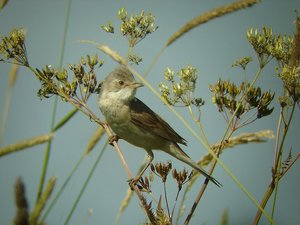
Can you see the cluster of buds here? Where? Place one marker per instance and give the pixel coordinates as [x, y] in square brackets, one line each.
[136, 27]
[242, 63]
[290, 75]
[57, 82]
[268, 46]
[109, 28]
[181, 177]
[182, 92]
[157, 217]
[162, 170]
[286, 51]
[54, 81]
[13, 47]
[144, 183]
[135, 59]
[230, 98]
[85, 75]
[48, 77]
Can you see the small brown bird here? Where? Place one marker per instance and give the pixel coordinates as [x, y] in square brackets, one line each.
[136, 123]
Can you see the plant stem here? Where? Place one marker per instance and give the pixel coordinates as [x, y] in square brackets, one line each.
[62, 188]
[231, 123]
[196, 202]
[166, 198]
[204, 186]
[5, 112]
[198, 122]
[194, 133]
[48, 148]
[47, 155]
[279, 160]
[115, 56]
[65, 119]
[85, 184]
[276, 177]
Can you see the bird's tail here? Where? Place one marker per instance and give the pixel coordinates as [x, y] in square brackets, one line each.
[178, 153]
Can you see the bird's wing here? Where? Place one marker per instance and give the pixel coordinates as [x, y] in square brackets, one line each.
[143, 117]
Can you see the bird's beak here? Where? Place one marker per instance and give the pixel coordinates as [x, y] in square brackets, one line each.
[136, 85]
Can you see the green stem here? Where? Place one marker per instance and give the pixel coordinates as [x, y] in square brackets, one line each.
[48, 148]
[231, 123]
[121, 60]
[204, 186]
[278, 167]
[181, 205]
[239, 104]
[58, 194]
[153, 62]
[199, 124]
[166, 199]
[276, 173]
[194, 133]
[85, 184]
[47, 155]
[275, 197]
[64, 39]
[65, 119]
[5, 111]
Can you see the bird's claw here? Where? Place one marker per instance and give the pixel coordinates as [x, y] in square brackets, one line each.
[113, 138]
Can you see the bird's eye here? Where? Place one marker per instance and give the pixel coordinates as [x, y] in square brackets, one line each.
[121, 82]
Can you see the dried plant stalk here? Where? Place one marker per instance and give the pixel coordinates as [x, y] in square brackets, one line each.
[3, 3]
[295, 56]
[22, 214]
[113, 54]
[94, 140]
[217, 12]
[13, 75]
[25, 144]
[126, 200]
[224, 218]
[243, 138]
[7, 99]
[36, 213]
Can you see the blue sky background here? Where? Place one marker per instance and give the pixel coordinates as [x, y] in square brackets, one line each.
[212, 48]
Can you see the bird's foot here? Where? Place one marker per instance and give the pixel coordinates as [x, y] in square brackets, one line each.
[113, 138]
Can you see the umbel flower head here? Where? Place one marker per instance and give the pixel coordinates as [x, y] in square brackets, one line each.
[286, 51]
[290, 75]
[136, 27]
[182, 92]
[13, 47]
[57, 82]
[229, 97]
[268, 46]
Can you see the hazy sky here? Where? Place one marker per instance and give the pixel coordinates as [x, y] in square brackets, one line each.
[212, 48]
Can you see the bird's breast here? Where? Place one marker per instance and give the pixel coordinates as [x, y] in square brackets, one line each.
[115, 112]
[118, 117]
